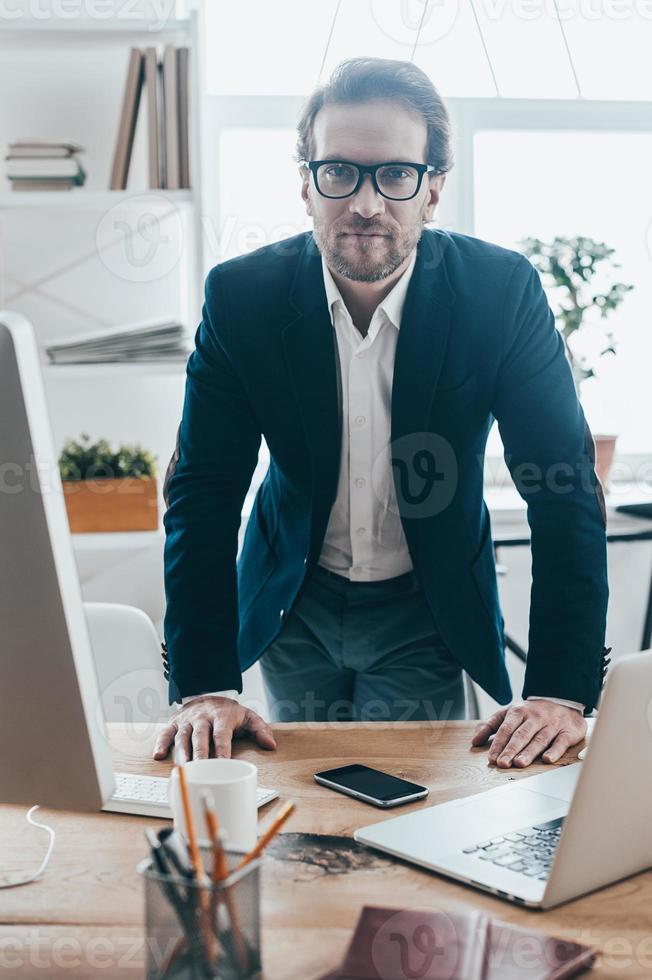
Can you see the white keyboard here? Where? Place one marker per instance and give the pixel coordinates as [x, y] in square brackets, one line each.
[147, 796]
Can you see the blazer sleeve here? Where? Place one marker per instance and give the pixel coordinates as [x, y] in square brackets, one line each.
[206, 482]
[550, 454]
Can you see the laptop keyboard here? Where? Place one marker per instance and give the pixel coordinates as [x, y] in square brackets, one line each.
[529, 851]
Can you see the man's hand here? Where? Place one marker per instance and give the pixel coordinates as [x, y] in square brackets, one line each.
[207, 720]
[530, 730]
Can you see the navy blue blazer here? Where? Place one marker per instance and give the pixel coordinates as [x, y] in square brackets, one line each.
[477, 342]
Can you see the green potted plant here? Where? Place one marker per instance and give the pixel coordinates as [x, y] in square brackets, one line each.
[579, 272]
[106, 490]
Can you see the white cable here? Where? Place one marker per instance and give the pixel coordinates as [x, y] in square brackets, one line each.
[416, 40]
[48, 853]
[568, 52]
[485, 49]
[328, 40]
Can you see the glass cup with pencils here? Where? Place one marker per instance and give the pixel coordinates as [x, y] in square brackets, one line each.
[202, 904]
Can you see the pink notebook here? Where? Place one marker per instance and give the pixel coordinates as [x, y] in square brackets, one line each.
[391, 944]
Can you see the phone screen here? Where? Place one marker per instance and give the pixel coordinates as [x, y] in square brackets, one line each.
[371, 782]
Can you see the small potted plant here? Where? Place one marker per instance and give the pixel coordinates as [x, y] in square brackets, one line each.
[106, 490]
[579, 273]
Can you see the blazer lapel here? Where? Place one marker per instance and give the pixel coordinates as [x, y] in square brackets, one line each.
[422, 339]
[312, 359]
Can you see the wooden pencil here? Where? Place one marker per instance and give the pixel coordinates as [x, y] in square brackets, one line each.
[271, 832]
[219, 873]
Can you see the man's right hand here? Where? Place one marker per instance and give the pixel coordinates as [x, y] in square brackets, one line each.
[206, 721]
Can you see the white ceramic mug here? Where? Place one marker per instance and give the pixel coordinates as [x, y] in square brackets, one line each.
[231, 785]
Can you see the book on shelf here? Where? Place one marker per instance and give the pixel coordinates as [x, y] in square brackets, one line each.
[183, 55]
[166, 84]
[137, 342]
[34, 148]
[37, 184]
[171, 111]
[44, 165]
[154, 93]
[128, 116]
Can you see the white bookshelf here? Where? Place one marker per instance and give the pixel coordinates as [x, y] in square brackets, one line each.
[67, 38]
[65, 79]
[79, 197]
[115, 370]
[32, 33]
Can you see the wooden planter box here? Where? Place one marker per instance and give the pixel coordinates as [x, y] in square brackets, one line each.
[124, 504]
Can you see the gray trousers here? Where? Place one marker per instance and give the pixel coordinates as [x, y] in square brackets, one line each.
[361, 651]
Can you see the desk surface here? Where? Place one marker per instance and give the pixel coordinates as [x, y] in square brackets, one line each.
[84, 918]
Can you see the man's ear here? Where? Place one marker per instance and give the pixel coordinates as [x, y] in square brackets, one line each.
[434, 192]
[305, 184]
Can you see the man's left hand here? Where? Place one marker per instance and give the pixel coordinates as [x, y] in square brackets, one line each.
[529, 730]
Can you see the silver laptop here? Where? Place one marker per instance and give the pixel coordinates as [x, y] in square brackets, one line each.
[544, 839]
[55, 750]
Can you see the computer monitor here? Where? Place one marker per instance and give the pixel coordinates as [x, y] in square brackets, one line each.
[54, 746]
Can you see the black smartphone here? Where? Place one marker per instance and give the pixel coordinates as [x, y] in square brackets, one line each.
[371, 785]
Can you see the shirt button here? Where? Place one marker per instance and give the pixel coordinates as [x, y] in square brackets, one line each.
[360, 482]
[282, 613]
[360, 353]
[360, 420]
[361, 530]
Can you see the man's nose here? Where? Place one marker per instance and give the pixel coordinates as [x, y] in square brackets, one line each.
[366, 201]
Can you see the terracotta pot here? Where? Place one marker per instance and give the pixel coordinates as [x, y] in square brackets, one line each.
[605, 448]
[124, 504]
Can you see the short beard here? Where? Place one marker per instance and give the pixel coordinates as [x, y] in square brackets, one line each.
[365, 269]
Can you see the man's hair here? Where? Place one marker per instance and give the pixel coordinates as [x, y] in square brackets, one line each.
[382, 79]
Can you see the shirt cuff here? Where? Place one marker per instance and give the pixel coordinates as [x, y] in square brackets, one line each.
[567, 704]
[210, 694]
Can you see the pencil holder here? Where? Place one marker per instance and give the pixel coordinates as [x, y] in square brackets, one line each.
[203, 932]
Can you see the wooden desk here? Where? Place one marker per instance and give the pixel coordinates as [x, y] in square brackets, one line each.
[84, 918]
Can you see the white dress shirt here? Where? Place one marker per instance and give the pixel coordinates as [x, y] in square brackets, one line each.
[364, 539]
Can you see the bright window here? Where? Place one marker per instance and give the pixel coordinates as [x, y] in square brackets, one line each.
[251, 213]
[549, 183]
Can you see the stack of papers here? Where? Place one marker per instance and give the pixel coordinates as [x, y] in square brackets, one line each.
[138, 342]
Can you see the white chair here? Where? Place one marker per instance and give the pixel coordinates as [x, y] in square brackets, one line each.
[127, 654]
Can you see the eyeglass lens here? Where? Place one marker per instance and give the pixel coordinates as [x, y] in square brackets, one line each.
[339, 180]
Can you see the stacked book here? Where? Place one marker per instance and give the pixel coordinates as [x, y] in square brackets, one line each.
[165, 81]
[159, 342]
[44, 165]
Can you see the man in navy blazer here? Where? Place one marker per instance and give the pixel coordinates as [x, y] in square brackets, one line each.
[477, 342]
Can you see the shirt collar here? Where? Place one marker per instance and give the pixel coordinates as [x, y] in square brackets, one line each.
[392, 305]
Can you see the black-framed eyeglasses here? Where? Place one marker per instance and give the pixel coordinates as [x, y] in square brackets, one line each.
[396, 180]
